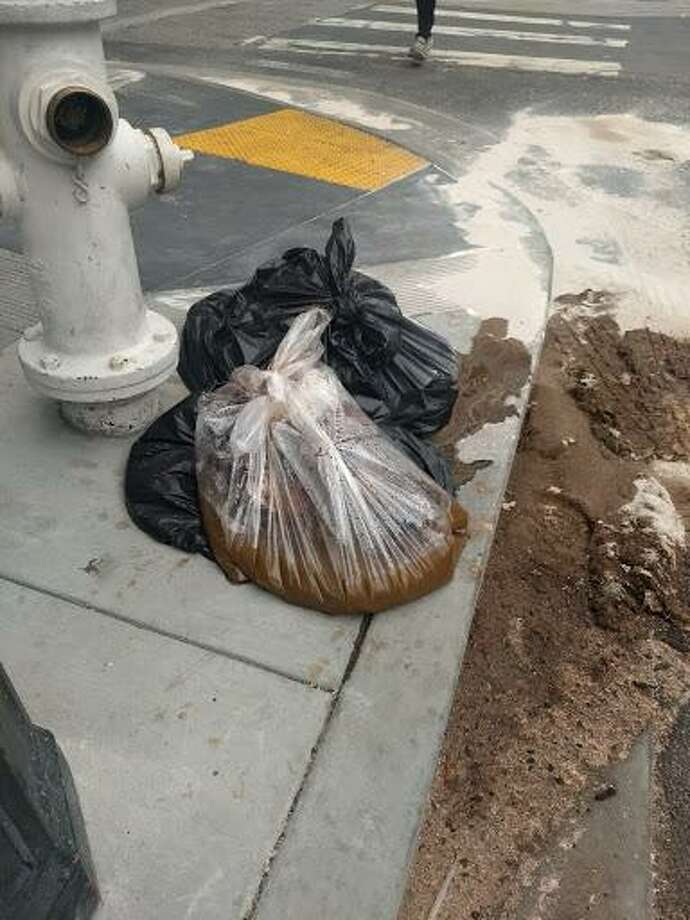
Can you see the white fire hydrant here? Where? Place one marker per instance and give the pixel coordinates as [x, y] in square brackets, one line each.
[70, 171]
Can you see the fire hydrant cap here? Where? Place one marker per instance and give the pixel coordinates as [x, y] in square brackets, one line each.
[171, 159]
[21, 12]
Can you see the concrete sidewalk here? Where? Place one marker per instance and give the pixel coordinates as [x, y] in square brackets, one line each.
[238, 757]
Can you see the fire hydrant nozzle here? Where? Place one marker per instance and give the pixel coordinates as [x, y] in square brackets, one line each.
[70, 170]
[79, 120]
[171, 159]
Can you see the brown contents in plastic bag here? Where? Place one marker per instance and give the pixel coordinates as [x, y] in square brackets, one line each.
[242, 562]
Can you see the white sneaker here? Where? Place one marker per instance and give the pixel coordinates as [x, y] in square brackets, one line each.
[421, 49]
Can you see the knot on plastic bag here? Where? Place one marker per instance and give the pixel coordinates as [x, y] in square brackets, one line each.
[270, 394]
[346, 308]
[275, 386]
[251, 426]
[360, 336]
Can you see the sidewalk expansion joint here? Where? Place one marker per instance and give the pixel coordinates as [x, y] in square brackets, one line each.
[251, 912]
[166, 634]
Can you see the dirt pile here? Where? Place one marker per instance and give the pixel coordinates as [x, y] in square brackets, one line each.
[635, 388]
[636, 566]
[580, 637]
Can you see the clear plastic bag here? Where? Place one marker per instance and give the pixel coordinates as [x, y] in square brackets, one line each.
[303, 494]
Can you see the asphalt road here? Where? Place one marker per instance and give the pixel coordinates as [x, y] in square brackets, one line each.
[493, 58]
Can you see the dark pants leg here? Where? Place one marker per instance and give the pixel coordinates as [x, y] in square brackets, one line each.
[425, 17]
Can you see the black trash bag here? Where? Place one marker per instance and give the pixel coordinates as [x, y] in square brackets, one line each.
[394, 367]
[424, 454]
[160, 480]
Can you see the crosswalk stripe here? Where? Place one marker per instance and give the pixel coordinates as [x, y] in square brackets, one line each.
[501, 17]
[384, 25]
[584, 24]
[459, 58]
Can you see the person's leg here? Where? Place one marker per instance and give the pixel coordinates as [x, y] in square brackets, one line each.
[419, 51]
[425, 17]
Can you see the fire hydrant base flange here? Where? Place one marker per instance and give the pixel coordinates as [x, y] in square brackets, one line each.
[105, 377]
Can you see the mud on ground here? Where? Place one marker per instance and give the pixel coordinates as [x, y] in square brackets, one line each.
[581, 638]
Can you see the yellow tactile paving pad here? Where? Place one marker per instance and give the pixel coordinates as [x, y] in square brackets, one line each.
[296, 142]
